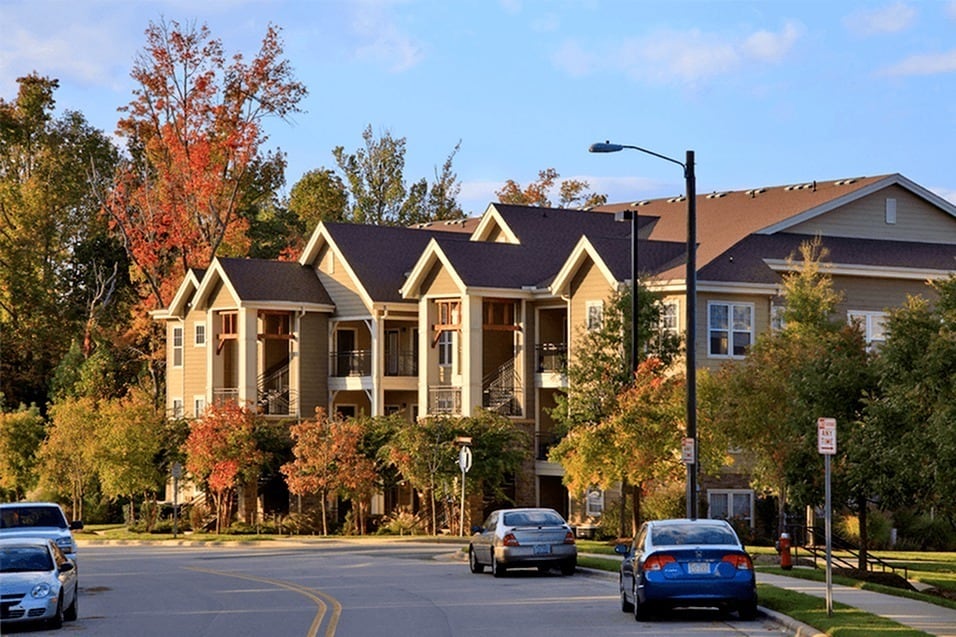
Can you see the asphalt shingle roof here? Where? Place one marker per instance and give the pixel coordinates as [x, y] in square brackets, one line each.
[265, 280]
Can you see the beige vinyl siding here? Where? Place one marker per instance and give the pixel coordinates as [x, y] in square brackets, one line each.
[313, 363]
[194, 359]
[174, 375]
[916, 220]
[341, 288]
[439, 282]
[587, 285]
[876, 295]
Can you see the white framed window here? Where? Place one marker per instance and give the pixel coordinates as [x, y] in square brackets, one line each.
[199, 405]
[178, 346]
[669, 323]
[873, 325]
[199, 334]
[730, 329]
[594, 315]
[594, 502]
[777, 322]
[446, 348]
[731, 504]
[177, 411]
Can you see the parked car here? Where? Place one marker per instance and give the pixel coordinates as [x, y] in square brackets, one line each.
[39, 519]
[682, 563]
[523, 538]
[38, 581]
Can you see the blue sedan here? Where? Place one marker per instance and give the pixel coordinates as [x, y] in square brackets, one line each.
[38, 581]
[684, 563]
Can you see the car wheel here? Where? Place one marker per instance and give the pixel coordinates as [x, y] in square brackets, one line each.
[473, 563]
[748, 611]
[56, 621]
[626, 606]
[568, 566]
[497, 568]
[641, 613]
[71, 611]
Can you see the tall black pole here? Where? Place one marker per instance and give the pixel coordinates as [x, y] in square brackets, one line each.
[691, 331]
[635, 329]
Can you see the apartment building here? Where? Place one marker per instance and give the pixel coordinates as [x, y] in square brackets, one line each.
[451, 316]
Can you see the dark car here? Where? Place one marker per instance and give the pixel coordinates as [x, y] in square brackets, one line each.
[684, 563]
[39, 519]
[522, 538]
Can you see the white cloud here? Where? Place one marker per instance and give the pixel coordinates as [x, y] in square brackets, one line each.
[928, 64]
[684, 56]
[381, 40]
[889, 19]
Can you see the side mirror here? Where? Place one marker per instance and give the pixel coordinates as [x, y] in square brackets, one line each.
[475, 530]
[76, 525]
[67, 566]
[622, 549]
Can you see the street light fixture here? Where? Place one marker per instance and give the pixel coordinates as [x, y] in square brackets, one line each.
[691, 320]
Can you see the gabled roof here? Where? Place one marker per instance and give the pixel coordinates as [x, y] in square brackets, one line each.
[190, 283]
[262, 281]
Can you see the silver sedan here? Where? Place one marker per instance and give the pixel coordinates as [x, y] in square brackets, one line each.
[38, 581]
[522, 538]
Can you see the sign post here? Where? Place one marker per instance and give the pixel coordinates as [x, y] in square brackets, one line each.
[177, 471]
[826, 446]
[464, 462]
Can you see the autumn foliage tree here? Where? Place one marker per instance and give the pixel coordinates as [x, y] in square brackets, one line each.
[329, 461]
[571, 192]
[222, 454]
[194, 134]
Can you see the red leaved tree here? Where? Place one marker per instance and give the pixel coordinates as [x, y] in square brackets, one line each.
[329, 461]
[221, 453]
[194, 136]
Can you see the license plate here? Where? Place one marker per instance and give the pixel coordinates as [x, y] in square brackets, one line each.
[542, 549]
[698, 568]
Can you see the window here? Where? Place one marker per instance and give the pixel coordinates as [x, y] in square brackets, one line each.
[777, 322]
[177, 347]
[595, 502]
[594, 315]
[731, 504]
[199, 405]
[729, 329]
[669, 320]
[445, 348]
[199, 338]
[872, 324]
[177, 408]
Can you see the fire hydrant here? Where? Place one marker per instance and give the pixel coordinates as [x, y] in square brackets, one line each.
[783, 546]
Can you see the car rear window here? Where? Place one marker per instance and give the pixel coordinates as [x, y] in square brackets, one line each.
[23, 559]
[532, 518]
[13, 517]
[678, 534]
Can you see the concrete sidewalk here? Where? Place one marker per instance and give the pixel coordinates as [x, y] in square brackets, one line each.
[930, 618]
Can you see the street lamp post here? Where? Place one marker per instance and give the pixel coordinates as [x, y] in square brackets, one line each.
[691, 316]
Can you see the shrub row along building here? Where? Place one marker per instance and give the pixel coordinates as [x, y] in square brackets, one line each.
[450, 316]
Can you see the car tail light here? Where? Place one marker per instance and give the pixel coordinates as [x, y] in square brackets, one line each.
[740, 562]
[569, 538]
[657, 562]
[510, 540]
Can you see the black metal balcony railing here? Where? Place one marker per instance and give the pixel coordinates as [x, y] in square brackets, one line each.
[224, 395]
[401, 363]
[552, 357]
[351, 363]
[444, 399]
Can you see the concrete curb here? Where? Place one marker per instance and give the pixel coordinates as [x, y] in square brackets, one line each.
[799, 628]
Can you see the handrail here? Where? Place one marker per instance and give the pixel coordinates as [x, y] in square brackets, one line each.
[817, 538]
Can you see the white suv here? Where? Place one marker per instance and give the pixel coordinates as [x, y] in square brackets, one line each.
[39, 519]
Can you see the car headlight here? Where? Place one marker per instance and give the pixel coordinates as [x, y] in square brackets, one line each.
[41, 590]
[65, 544]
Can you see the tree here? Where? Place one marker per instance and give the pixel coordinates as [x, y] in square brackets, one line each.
[49, 234]
[194, 134]
[68, 456]
[320, 195]
[221, 454]
[814, 366]
[329, 460]
[21, 433]
[376, 184]
[571, 192]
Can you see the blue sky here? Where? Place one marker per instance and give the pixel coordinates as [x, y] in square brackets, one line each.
[766, 93]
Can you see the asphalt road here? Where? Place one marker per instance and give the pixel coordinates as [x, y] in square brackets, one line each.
[349, 589]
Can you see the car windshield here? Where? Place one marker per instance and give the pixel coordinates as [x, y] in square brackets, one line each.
[31, 516]
[532, 518]
[696, 534]
[20, 559]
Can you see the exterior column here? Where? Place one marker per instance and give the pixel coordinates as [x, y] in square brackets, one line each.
[248, 355]
[471, 354]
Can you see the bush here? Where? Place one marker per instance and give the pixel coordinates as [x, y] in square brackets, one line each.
[923, 533]
[401, 523]
[878, 528]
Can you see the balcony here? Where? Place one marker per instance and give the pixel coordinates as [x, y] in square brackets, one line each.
[444, 400]
[543, 442]
[350, 363]
[552, 358]
[401, 363]
[225, 395]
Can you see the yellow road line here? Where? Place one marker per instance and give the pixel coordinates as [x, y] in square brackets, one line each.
[322, 600]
